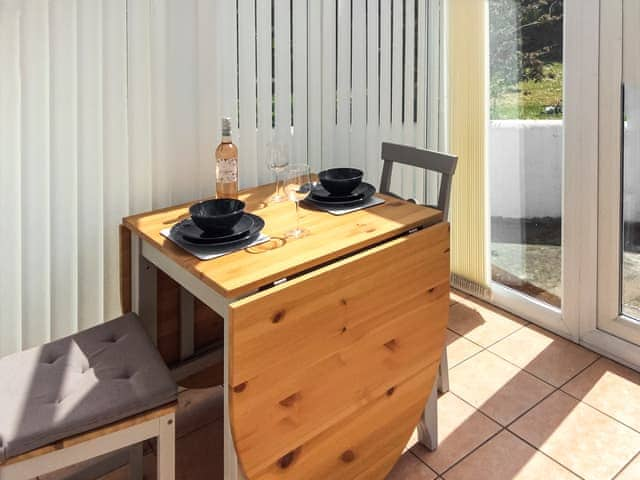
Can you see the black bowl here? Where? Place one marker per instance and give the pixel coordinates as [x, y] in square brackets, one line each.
[340, 181]
[216, 216]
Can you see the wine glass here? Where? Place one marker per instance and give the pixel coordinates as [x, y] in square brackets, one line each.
[277, 160]
[297, 186]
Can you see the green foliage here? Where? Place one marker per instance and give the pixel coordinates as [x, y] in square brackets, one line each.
[527, 99]
[525, 46]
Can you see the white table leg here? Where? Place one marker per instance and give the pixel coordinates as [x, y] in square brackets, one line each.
[196, 288]
[443, 373]
[232, 469]
[144, 285]
[428, 426]
[166, 455]
[187, 308]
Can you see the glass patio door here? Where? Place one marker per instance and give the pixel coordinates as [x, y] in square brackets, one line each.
[525, 155]
[619, 172]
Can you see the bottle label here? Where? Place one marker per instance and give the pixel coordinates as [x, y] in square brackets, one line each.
[227, 170]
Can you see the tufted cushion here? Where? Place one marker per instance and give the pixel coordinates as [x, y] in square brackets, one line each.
[79, 383]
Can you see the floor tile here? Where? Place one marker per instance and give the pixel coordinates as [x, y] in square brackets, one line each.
[481, 323]
[632, 471]
[497, 388]
[579, 437]
[544, 354]
[412, 440]
[506, 457]
[197, 407]
[455, 296]
[611, 388]
[410, 468]
[459, 348]
[461, 428]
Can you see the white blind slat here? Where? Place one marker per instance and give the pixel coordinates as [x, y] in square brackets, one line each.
[328, 83]
[116, 162]
[10, 181]
[182, 100]
[343, 127]
[247, 89]
[385, 70]
[161, 172]
[299, 61]
[264, 84]
[432, 75]
[207, 100]
[373, 89]
[281, 19]
[397, 100]
[408, 126]
[90, 165]
[314, 80]
[421, 99]
[359, 86]
[139, 105]
[35, 204]
[64, 168]
[226, 53]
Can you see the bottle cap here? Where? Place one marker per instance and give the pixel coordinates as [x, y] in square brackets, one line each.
[226, 126]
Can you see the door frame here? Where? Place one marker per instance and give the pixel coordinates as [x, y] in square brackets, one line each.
[591, 216]
[579, 143]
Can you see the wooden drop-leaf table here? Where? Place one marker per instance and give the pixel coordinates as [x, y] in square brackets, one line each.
[331, 342]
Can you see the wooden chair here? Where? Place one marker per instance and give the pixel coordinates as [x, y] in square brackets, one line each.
[445, 165]
[103, 390]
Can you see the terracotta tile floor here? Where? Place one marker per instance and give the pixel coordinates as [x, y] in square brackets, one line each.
[523, 404]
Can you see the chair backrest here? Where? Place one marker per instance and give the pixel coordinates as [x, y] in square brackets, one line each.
[417, 157]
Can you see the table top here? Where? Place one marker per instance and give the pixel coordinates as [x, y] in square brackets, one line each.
[330, 237]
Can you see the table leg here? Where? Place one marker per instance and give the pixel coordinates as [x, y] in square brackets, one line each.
[443, 373]
[428, 426]
[144, 260]
[232, 469]
[187, 308]
[144, 289]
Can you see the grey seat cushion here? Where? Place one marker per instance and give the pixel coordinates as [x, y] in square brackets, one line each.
[79, 383]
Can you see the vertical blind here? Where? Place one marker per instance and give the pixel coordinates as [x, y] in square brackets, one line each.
[467, 87]
[109, 108]
[333, 78]
[63, 169]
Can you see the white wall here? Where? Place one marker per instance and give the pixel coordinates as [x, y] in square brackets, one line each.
[525, 167]
[631, 195]
[525, 162]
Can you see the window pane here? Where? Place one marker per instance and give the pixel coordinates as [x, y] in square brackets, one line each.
[631, 204]
[525, 145]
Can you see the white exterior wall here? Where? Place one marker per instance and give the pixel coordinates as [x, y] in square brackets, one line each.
[631, 193]
[525, 162]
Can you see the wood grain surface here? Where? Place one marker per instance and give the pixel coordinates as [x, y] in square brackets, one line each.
[330, 237]
[96, 433]
[330, 372]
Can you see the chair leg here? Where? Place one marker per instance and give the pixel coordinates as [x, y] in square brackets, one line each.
[166, 455]
[443, 373]
[428, 426]
[136, 469]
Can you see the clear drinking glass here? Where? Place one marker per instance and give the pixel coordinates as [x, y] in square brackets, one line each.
[277, 160]
[297, 186]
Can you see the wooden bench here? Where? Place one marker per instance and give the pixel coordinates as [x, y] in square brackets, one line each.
[99, 391]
